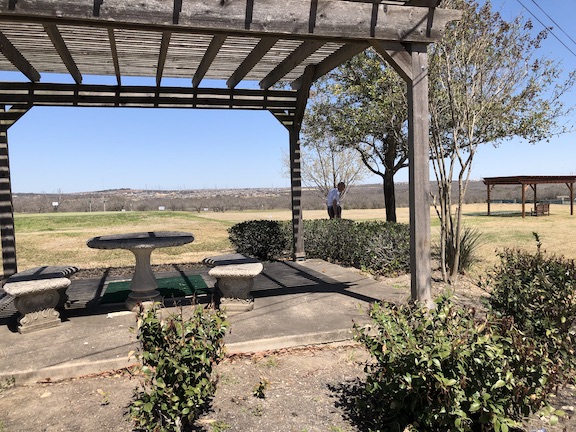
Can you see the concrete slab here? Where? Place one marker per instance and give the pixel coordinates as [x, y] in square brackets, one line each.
[296, 304]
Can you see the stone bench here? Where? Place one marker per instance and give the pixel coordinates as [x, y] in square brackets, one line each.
[38, 293]
[234, 282]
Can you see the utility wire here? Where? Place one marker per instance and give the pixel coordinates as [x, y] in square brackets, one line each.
[555, 23]
[546, 27]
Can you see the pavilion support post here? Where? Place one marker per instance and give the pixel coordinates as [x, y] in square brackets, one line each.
[298, 252]
[7, 233]
[419, 176]
[524, 187]
[571, 189]
[488, 189]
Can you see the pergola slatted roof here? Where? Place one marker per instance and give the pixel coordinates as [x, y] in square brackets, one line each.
[250, 46]
[276, 40]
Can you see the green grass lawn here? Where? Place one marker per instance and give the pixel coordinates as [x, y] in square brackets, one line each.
[60, 238]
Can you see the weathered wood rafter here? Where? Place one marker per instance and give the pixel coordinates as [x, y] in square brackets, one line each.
[162, 56]
[60, 45]
[114, 52]
[17, 59]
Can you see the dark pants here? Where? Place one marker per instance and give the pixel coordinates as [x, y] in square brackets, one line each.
[338, 212]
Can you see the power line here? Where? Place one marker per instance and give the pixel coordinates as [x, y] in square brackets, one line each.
[555, 23]
[546, 27]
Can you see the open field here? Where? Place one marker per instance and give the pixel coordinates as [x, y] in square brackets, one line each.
[60, 238]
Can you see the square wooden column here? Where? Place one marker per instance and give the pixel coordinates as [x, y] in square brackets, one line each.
[419, 151]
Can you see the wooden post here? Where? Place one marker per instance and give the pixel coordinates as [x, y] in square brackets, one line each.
[524, 200]
[295, 169]
[571, 189]
[419, 176]
[488, 197]
[7, 237]
[298, 252]
[7, 234]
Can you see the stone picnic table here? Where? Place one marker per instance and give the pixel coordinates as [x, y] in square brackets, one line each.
[143, 286]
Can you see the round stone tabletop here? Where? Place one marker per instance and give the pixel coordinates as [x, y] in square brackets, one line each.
[141, 240]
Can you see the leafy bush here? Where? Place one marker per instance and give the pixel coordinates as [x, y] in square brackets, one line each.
[331, 240]
[378, 247]
[178, 355]
[440, 370]
[262, 239]
[539, 292]
[387, 250]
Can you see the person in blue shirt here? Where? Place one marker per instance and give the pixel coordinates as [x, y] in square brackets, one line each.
[333, 201]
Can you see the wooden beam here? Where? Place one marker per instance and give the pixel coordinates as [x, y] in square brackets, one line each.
[10, 116]
[251, 60]
[329, 19]
[419, 174]
[209, 56]
[17, 59]
[396, 55]
[89, 95]
[332, 61]
[63, 51]
[305, 50]
[114, 50]
[162, 56]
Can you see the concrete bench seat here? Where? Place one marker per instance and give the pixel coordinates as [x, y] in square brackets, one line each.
[234, 282]
[38, 293]
[228, 259]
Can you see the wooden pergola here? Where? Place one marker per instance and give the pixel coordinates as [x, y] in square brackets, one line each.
[529, 182]
[251, 45]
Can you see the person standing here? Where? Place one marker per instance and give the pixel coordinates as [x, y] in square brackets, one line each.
[333, 201]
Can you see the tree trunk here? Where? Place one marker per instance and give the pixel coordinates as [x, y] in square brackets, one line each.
[389, 189]
[389, 195]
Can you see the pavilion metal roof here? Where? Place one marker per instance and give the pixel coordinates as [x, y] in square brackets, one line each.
[528, 180]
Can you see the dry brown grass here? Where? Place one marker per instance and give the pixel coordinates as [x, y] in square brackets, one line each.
[66, 245]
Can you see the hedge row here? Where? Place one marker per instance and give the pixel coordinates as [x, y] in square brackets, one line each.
[381, 248]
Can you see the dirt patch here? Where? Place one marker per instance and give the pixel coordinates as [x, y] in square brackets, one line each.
[304, 389]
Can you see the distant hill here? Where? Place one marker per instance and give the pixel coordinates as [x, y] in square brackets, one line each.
[358, 196]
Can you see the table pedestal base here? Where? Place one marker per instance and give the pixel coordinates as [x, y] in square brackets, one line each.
[143, 286]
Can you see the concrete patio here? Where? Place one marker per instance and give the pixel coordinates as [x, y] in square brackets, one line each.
[296, 304]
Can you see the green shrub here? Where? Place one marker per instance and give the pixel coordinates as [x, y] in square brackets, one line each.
[378, 247]
[539, 292]
[331, 240]
[177, 355]
[262, 239]
[387, 250]
[440, 370]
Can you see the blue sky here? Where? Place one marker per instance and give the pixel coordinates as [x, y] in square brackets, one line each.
[86, 149]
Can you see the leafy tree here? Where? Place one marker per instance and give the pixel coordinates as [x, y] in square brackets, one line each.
[488, 83]
[363, 105]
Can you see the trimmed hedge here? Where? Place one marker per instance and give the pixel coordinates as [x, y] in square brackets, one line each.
[381, 248]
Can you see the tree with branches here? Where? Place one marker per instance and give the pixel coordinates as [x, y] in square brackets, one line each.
[488, 83]
[363, 105]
